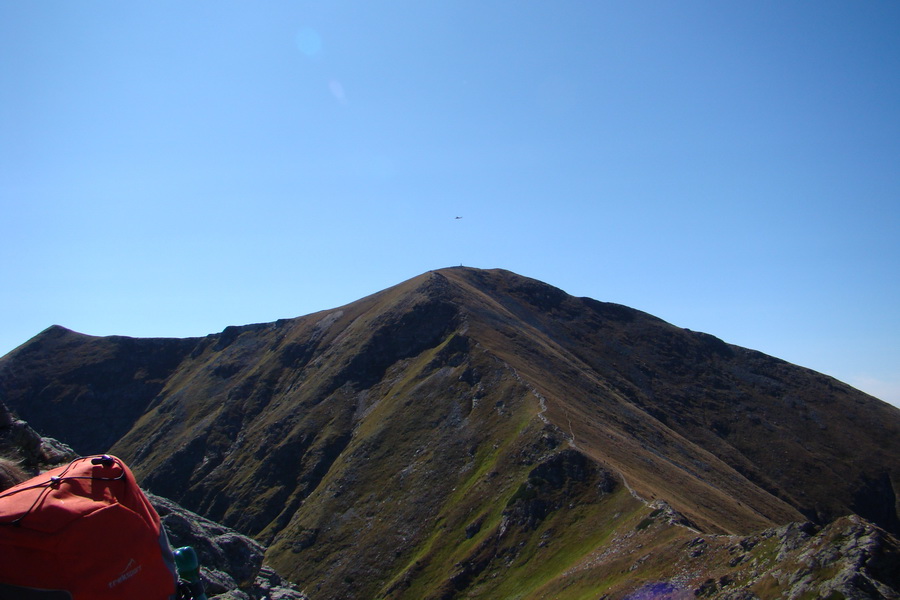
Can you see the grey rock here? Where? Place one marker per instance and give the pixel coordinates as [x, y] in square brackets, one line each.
[231, 564]
[20, 442]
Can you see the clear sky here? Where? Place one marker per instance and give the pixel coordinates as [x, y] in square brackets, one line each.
[171, 168]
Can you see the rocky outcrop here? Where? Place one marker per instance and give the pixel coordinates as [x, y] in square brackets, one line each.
[862, 557]
[19, 442]
[231, 564]
[849, 558]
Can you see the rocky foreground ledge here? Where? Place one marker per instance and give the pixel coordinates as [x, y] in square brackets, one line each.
[231, 563]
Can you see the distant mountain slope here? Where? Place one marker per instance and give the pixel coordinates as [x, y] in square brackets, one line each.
[407, 444]
[91, 388]
[668, 405]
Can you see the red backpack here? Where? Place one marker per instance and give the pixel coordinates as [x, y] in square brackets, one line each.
[85, 531]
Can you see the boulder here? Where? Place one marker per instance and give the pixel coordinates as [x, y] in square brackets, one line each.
[231, 564]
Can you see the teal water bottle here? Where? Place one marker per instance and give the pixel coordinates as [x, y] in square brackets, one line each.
[189, 570]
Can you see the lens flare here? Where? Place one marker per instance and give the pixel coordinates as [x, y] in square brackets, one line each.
[309, 42]
[337, 90]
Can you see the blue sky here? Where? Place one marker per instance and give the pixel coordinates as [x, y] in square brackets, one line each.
[171, 168]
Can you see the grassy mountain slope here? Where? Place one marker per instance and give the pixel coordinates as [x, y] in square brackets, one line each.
[470, 433]
[667, 405]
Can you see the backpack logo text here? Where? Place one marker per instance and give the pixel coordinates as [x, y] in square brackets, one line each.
[131, 569]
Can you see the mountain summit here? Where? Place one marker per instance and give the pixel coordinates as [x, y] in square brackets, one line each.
[429, 440]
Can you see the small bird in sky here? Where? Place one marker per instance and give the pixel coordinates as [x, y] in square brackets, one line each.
[459, 217]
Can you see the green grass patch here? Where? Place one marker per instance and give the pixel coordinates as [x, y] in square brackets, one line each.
[538, 571]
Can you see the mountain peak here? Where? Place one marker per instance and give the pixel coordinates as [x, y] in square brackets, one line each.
[469, 403]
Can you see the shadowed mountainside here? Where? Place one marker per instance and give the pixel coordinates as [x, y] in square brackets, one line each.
[462, 424]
